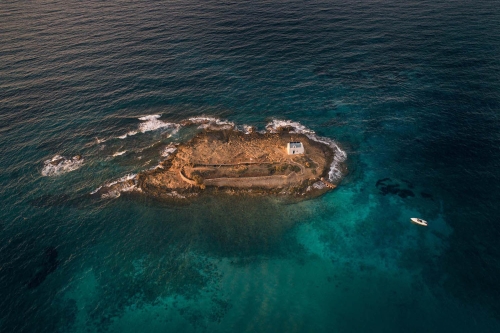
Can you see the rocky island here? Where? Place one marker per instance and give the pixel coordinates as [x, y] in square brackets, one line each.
[282, 162]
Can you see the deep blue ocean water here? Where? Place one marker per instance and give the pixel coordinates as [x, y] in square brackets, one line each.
[409, 89]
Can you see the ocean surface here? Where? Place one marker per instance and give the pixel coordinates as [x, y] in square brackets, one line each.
[409, 90]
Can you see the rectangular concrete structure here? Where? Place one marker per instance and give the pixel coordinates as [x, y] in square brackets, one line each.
[294, 148]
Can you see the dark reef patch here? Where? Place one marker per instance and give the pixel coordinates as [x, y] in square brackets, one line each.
[426, 195]
[382, 181]
[389, 186]
[49, 265]
[408, 183]
[405, 193]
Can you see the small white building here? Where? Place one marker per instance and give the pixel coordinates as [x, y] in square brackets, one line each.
[294, 148]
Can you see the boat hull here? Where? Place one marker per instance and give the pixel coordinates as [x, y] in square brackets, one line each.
[419, 221]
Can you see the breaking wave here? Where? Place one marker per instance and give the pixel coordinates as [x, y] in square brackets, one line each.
[339, 156]
[171, 148]
[276, 124]
[124, 136]
[211, 122]
[150, 117]
[113, 189]
[119, 153]
[319, 185]
[153, 122]
[246, 129]
[60, 164]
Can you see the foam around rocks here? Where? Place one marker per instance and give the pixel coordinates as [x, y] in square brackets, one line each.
[152, 123]
[212, 123]
[119, 153]
[168, 150]
[113, 189]
[255, 150]
[276, 124]
[124, 136]
[339, 156]
[60, 164]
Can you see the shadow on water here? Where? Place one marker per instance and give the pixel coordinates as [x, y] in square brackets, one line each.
[25, 289]
[233, 226]
[156, 251]
[22, 254]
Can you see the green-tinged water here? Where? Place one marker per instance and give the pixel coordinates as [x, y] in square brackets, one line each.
[409, 90]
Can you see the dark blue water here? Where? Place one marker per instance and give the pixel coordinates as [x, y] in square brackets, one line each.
[409, 89]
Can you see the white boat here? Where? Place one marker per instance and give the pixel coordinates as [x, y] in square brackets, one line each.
[419, 221]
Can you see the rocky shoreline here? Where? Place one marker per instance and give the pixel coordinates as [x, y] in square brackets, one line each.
[227, 161]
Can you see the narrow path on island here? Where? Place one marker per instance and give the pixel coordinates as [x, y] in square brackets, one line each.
[262, 181]
[276, 181]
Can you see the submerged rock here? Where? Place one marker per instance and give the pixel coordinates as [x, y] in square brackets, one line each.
[389, 186]
[50, 264]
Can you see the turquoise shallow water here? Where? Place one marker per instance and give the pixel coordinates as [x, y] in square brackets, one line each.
[409, 89]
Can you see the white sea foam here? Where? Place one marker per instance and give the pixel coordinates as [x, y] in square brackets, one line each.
[153, 122]
[123, 179]
[124, 136]
[276, 124]
[119, 153]
[319, 185]
[339, 156]
[150, 117]
[158, 166]
[60, 164]
[207, 122]
[246, 129]
[114, 188]
[168, 150]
